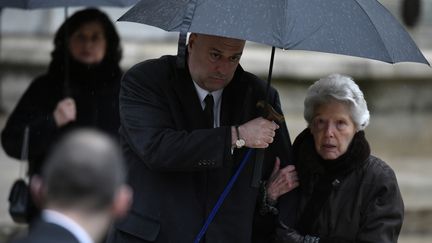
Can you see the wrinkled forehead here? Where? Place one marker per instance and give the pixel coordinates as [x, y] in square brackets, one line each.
[332, 106]
[223, 43]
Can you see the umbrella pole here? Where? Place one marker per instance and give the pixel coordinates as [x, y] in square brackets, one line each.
[66, 88]
[267, 111]
[269, 77]
[181, 50]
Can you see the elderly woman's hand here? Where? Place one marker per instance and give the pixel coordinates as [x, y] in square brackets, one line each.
[281, 181]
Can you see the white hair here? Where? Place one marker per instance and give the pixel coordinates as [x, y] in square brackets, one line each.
[341, 88]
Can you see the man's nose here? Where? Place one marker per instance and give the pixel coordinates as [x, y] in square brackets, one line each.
[223, 66]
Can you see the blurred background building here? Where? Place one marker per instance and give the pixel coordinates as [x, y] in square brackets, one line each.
[399, 96]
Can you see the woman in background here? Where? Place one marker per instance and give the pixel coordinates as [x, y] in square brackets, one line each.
[80, 88]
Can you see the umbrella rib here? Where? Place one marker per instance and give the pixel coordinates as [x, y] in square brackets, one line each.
[184, 28]
[285, 21]
[289, 32]
[189, 13]
[306, 37]
[374, 26]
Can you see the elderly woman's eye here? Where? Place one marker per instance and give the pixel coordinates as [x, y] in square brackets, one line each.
[319, 123]
[341, 124]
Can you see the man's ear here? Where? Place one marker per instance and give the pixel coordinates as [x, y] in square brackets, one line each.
[192, 38]
[37, 190]
[122, 201]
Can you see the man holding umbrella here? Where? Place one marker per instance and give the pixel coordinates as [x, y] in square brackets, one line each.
[185, 130]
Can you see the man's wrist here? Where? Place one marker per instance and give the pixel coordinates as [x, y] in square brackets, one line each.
[240, 142]
[233, 137]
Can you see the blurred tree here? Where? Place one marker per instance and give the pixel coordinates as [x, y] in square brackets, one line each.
[411, 12]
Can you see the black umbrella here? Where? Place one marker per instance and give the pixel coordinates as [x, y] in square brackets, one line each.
[362, 28]
[32, 4]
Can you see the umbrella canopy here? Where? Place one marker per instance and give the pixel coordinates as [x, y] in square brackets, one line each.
[32, 4]
[362, 28]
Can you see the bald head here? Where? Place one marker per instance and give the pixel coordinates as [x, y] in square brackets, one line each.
[85, 168]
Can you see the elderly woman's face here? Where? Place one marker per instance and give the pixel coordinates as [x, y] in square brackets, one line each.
[332, 129]
[88, 43]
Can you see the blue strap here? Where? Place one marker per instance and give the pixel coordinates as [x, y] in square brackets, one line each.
[222, 197]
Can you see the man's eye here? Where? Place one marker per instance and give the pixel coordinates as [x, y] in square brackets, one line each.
[235, 58]
[214, 56]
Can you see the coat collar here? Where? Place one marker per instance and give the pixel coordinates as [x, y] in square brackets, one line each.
[233, 97]
[309, 162]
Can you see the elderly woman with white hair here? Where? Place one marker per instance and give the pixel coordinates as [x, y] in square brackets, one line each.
[347, 194]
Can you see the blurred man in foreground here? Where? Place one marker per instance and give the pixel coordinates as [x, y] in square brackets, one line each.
[81, 190]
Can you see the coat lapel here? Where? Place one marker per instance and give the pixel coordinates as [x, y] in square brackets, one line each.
[237, 104]
[188, 99]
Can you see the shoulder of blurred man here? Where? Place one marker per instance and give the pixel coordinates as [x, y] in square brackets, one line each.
[45, 232]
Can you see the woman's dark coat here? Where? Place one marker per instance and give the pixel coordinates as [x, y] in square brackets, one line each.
[95, 91]
[356, 198]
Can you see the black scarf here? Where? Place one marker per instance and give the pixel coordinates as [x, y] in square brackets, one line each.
[321, 175]
[83, 75]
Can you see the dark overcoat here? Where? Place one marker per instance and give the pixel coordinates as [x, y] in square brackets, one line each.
[95, 90]
[178, 167]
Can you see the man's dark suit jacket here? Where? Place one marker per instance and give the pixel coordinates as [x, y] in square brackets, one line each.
[178, 167]
[44, 232]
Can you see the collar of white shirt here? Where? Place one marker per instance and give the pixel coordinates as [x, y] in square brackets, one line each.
[62, 220]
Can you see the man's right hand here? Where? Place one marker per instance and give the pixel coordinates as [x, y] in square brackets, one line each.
[258, 133]
[65, 112]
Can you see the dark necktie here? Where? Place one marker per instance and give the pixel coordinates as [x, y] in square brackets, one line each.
[208, 110]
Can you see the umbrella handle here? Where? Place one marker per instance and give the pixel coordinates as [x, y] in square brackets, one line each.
[268, 112]
[269, 77]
